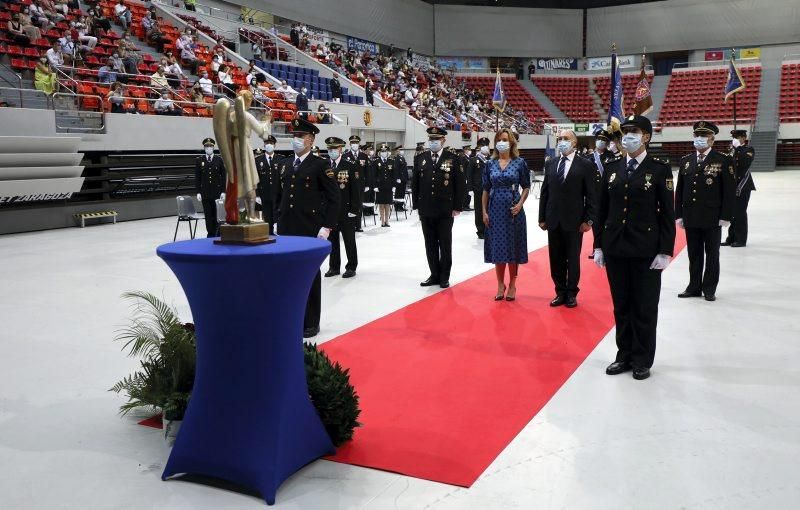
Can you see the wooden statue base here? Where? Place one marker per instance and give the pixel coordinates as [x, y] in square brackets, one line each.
[246, 234]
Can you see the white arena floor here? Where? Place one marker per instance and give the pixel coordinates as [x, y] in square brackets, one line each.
[716, 427]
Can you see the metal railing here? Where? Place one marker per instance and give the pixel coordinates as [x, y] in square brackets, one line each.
[23, 91]
[19, 79]
[687, 66]
[583, 73]
[78, 100]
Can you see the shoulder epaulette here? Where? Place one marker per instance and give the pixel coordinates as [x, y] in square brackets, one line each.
[663, 162]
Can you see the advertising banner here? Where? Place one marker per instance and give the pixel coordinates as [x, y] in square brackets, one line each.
[566, 63]
[604, 63]
[361, 45]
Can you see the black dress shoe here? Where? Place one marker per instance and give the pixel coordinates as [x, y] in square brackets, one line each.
[359, 229]
[687, 293]
[641, 373]
[738, 245]
[725, 243]
[711, 297]
[430, 282]
[331, 273]
[349, 274]
[309, 332]
[572, 302]
[558, 301]
[480, 236]
[618, 367]
[444, 284]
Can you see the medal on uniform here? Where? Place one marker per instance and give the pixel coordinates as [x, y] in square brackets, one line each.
[341, 186]
[686, 165]
[647, 183]
[709, 181]
[611, 179]
[446, 182]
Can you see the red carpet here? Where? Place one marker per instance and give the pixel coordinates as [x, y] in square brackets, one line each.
[447, 382]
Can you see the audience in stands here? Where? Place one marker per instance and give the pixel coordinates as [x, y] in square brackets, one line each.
[173, 72]
[44, 78]
[116, 97]
[82, 28]
[129, 54]
[99, 19]
[106, 73]
[54, 55]
[124, 15]
[158, 79]
[206, 85]
[165, 105]
[28, 27]
[16, 32]
[226, 80]
[301, 102]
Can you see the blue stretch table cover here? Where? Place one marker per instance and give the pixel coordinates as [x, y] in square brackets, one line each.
[250, 420]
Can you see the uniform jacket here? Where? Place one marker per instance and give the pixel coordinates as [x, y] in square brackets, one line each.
[349, 180]
[363, 161]
[385, 173]
[569, 204]
[308, 198]
[209, 177]
[705, 193]
[401, 168]
[438, 190]
[476, 166]
[636, 216]
[268, 175]
[742, 159]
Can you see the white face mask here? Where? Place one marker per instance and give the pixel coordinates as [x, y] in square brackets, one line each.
[354, 147]
[565, 147]
[600, 144]
[735, 142]
[384, 155]
[502, 147]
[485, 150]
[269, 148]
[612, 147]
[701, 143]
[333, 154]
[209, 150]
[631, 142]
[435, 145]
[298, 144]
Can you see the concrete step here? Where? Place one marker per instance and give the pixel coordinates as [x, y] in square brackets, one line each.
[765, 144]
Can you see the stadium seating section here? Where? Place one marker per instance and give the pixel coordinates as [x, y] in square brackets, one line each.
[789, 107]
[699, 94]
[570, 94]
[516, 95]
[629, 83]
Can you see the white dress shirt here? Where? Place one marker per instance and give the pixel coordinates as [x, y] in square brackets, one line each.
[570, 157]
[638, 158]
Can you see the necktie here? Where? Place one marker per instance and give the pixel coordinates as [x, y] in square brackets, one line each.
[333, 164]
[562, 165]
[209, 159]
[297, 163]
[700, 159]
[631, 167]
[435, 158]
[269, 161]
[599, 164]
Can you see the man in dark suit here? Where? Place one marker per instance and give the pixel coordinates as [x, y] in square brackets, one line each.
[267, 167]
[464, 158]
[209, 177]
[301, 102]
[635, 243]
[348, 177]
[308, 199]
[438, 172]
[567, 207]
[704, 203]
[401, 170]
[477, 164]
[742, 156]
[336, 88]
[600, 157]
[359, 157]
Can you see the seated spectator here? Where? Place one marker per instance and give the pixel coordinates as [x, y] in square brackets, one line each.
[323, 114]
[196, 93]
[129, 54]
[166, 106]
[158, 80]
[83, 33]
[116, 96]
[206, 85]
[38, 16]
[48, 8]
[256, 48]
[28, 28]
[44, 78]
[59, 6]
[190, 5]
[147, 21]
[118, 66]
[99, 20]
[226, 81]
[252, 72]
[285, 91]
[156, 37]
[54, 55]
[15, 31]
[188, 56]
[174, 73]
[217, 60]
[124, 15]
[106, 73]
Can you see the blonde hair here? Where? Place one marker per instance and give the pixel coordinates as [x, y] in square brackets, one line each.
[512, 140]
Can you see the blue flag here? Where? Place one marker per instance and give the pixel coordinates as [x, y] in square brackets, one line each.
[499, 98]
[548, 152]
[615, 113]
[735, 81]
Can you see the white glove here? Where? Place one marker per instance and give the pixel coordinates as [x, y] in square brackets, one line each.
[324, 233]
[258, 200]
[351, 215]
[724, 223]
[661, 261]
[199, 198]
[398, 181]
[275, 229]
[472, 194]
[222, 196]
[680, 222]
[366, 188]
[374, 189]
[599, 259]
[456, 213]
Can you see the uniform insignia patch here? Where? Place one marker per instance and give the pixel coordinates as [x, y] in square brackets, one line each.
[647, 179]
[686, 165]
[709, 181]
[611, 178]
[670, 185]
[329, 173]
[356, 174]
[446, 182]
[730, 169]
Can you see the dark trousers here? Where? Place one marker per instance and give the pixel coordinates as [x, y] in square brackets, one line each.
[703, 247]
[210, 212]
[438, 232]
[480, 227]
[635, 291]
[564, 247]
[737, 232]
[347, 226]
[314, 304]
[268, 214]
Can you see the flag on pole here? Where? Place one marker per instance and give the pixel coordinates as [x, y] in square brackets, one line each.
[735, 81]
[548, 152]
[499, 98]
[643, 101]
[615, 113]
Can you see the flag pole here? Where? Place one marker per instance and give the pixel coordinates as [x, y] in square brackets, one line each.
[733, 58]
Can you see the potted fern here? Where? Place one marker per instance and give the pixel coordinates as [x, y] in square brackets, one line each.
[166, 347]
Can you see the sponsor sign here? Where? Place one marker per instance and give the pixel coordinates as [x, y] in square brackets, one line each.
[318, 36]
[361, 45]
[604, 63]
[567, 63]
[713, 55]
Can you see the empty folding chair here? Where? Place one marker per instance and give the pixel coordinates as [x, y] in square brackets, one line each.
[187, 212]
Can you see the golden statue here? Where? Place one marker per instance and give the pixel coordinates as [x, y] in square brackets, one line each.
[233, 127]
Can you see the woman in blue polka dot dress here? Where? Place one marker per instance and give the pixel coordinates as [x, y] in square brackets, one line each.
[506, 184]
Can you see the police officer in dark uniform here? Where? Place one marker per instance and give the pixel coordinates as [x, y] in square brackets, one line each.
[599, 158]
[348, 177]
[267, 167]
[384, 170]
[704, 202]
[464, 157]
[437, 188]
[742, 156]
[477, 164]
[209, 177]
[359, 157]
[635, 243]
[308, 204]
[401, 170]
